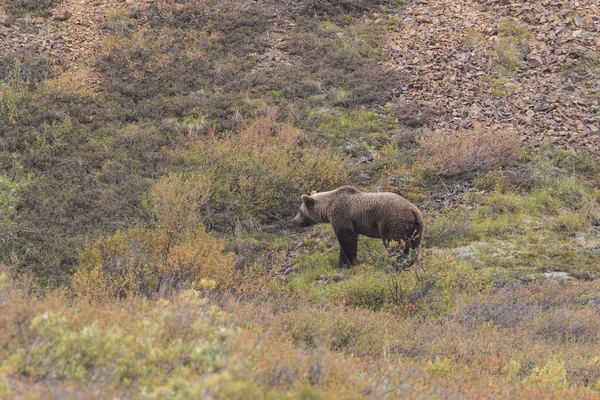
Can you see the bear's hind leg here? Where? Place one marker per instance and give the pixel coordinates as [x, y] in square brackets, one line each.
[403, 255]
[348, 240]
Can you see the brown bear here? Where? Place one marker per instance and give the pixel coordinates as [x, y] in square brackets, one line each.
[384, 215]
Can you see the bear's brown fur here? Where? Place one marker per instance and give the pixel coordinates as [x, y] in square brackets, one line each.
[384, 215]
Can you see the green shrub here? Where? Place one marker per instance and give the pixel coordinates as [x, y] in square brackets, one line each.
[117, 20]
[356, 126]
[12, 185]
[339, 8]
[512, 40]
[553, 373]
[366, 291]
[571, 190]
[544, 200]
[507, 203]
[440, 366]
[570, 223]
[492, 181]
[498, 226]
[136, 354]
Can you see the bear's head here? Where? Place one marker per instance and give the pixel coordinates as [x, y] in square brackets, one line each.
[306, 216]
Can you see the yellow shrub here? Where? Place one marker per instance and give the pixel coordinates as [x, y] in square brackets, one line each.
[440, 366]
[553, 374]
[149, 263]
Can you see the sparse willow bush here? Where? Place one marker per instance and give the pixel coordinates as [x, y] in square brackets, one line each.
[498, 226]
[350, 330]
[117, 20]
[259, 174]
[175, 201]
[337, 7]
[494, 180]
[553, 374]
[12, 185]
[571, 190]
[437, 282]
[545, 201]
[75, 85]
[341, 127]
[562, 326]
[450, 154]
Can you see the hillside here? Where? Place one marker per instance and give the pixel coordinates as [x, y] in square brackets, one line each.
[153, 154]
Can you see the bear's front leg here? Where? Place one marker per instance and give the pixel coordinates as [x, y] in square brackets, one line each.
[348, 240]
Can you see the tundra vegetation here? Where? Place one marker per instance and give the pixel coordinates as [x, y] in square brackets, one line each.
[145, 200]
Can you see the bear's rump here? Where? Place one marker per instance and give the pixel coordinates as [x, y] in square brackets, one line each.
[395, 224]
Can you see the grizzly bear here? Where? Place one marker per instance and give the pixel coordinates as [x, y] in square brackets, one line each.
[350, 212]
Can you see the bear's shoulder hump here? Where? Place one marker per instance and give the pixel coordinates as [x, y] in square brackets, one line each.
[348, 189]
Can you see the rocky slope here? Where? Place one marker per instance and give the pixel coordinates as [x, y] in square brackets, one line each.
[529, 66]
[463, 67]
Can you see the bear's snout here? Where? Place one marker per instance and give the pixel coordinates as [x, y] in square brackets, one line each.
[303, 221]
[296, 219]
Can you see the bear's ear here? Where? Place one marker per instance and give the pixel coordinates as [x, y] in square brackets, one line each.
[307, 200]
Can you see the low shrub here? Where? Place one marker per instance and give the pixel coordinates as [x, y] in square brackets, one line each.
[337, 7]
[570, 223]
[354, 127]
[560, 326]
[498, 226]
[507, 203]
[368, 292]
[173, 254]
[450, 154]
[494, 180]
[117, 347]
